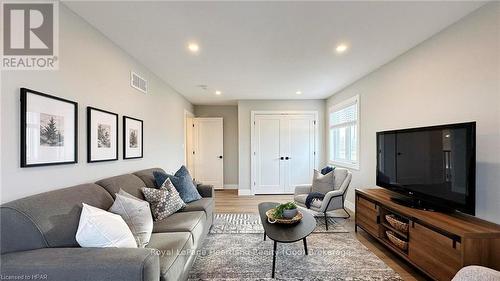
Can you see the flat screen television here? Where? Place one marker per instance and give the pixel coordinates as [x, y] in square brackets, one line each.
[430, 168]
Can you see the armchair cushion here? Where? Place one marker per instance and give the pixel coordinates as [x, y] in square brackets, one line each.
[323, 183]
[300, 200]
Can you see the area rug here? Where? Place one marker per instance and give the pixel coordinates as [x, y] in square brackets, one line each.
[235, 250]
[250, 223]
[332, 256]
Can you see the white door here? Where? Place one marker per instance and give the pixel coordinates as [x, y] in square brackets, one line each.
[189, 141]
[267, 153]
[208, 151]
[300, 138]
[283, 152]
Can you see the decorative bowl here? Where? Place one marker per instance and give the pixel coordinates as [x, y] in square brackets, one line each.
[288, 214]
[272, 219]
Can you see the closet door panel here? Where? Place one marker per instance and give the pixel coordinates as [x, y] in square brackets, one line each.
[268, 169]
[301, 151]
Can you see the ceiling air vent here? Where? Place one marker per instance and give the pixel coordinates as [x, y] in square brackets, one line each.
[138, 82]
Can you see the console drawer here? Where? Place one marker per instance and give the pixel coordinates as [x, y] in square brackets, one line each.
[366, 215]
[435, 253]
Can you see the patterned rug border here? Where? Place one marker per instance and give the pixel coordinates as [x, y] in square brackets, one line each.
[248, 223]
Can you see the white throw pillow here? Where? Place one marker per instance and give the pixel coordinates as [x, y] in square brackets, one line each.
[323, 183]
[136, 213]
[101, 229]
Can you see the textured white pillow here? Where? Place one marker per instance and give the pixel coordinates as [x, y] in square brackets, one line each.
[102, 229]
[137, 214]
[323, 183]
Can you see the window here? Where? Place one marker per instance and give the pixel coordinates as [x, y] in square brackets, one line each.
[344, 133]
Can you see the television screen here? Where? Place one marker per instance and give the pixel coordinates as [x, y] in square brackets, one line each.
[433, 164]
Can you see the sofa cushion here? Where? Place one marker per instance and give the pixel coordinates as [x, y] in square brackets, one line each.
[175, 250]
[193, 222]
[54, 215]
[147, 176]
[128, 182]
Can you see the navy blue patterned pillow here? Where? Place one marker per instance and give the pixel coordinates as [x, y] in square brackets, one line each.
[327, 169]
[183, 183]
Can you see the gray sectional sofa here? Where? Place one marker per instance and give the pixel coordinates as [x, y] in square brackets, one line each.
[38, 235]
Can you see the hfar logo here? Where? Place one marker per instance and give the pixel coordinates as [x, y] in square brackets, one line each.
[28, 35]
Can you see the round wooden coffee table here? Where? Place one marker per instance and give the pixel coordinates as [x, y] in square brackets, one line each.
[285, 233]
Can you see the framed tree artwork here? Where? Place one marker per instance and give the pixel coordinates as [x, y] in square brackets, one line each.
[132, 138]
[102, 135]
[49, 130]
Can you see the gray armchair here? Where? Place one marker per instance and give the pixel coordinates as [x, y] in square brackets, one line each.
[334, 200]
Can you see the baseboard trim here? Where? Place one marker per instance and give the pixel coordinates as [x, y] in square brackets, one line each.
[230, 186]
[244, 192]
[350, 206]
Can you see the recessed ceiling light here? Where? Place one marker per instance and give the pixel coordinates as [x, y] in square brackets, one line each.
[218, 93]
[193, 47]
[341, 48]
[298, 93]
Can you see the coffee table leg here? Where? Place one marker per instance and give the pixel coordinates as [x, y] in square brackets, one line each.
[264, 236]
[305, 245]
[274, 257]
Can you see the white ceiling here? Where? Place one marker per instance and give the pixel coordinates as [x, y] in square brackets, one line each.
[267, 50]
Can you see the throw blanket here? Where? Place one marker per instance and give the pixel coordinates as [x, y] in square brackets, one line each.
[313, 196]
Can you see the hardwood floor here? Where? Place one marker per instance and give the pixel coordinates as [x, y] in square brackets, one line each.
[228, 201]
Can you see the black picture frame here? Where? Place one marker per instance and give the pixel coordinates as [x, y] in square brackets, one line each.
[89, 134]
[125, 118]
[23, 124]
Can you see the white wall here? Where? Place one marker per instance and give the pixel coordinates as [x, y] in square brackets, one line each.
[229, 113]
[245, 108]
[452, 77]
[94, 72]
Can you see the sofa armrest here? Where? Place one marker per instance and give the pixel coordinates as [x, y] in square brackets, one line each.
[476, 273]
[83, 264]
[206, 190]
[302, 189]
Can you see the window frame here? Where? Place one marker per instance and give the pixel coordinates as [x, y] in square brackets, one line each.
[336, 107]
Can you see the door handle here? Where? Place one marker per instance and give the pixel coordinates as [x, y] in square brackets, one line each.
[220, 156]
[282, 158]
[288, 158]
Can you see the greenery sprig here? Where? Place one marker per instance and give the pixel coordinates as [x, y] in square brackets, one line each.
[278, 211]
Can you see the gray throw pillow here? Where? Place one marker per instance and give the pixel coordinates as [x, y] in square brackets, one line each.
[323, 183]
[137, 214]
[164, 201]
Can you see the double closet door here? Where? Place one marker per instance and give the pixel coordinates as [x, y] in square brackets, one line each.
[284, 152]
